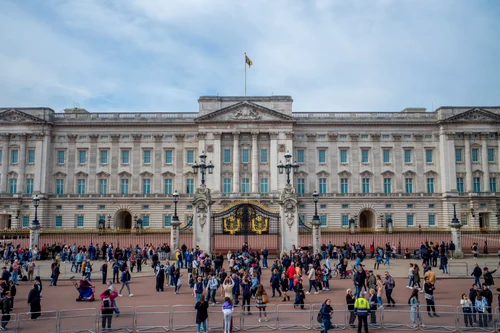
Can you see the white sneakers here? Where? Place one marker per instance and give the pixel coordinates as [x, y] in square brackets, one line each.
[130, 295]
[120, 295]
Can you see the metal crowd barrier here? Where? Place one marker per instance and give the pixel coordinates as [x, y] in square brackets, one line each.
[284, 317]
[458, 269]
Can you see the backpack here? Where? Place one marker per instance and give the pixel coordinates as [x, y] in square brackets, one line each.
[319, 318]
[106, 302]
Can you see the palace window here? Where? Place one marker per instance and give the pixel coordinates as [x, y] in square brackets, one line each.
[407, 153]
[428, 156]
[387, 155]
[364, 155]
[12, 185]
[168, 186]
[190, 156]
[263, 156]
[60, 156]
[245, 155]
[322, 185]
[14, 156]
[493, 184]
[59, 221]
[81, 184]
[31, 156]
[475, 155]
[430, 185]
[167, 221]
[366, 185]
[147, 156]
[145, 221]
[125, 156]
[345, 220]
[26, 221]
[124, 186]
[103, 157]
[82, 156]
[301, 185]
[387, 185]
[491, 155]
[190, 186]
[80, 221]
[227, 185]
[409, 185]
[343, 155]
[146, 186]
[323, 219]
[227, 156]
[344, 185]
[103, 186]
[245, 185]
[409, 220]
[264, 185]
[458, 155]
[29, 186]
[169, 156]
[300, 156]
[460, 184]
[477, 184]
[432, 220]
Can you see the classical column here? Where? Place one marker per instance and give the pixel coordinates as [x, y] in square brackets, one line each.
[92, 163]
[498, 158]
[5, 162]
[157, 181]
[468, 164]
[485, 163]
[398, 163]
[311, 158]
[419, 164]
[179, 163]
[136, 163]
[201, 220]
[40, 160]
[378, 184]
[22, 164]
[333, 153]
[46, 165]
[289, 219]
[236, 162]
[70, 179]
[115, 158]
[273, 160]
[216, 177]
[354, 163]
[255, 163]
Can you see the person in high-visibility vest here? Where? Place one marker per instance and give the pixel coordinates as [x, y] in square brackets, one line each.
[362, 310]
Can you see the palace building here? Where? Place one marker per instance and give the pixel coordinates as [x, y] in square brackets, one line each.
[411, 166]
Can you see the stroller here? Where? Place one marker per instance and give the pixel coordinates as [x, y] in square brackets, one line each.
[83, 295]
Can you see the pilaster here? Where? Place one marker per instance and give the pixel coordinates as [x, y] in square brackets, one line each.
[333, 154]
[398, 162]
[136, 163]
[216, 177]
[5, 162]
[115, 158]
[236, 162]
[92, 163]
[255, 163]
[22, 164]
[419, 163]
[355, 163]
[485, 163]
[378, 185]
[201, 219]
[70, 179]
[468, 164]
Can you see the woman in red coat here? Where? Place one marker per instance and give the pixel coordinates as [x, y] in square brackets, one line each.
[107, 307]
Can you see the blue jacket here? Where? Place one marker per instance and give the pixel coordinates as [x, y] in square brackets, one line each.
[326, 311]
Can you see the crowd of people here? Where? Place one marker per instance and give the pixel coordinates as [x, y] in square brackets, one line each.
[237, 278]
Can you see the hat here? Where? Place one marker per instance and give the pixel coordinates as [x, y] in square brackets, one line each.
[370, 271]
[485, 269]
[310, 265]
[4, 267]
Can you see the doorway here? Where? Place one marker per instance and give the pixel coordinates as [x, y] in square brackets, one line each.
[367, 219]
[123, 220]
[5, 221]
[483, 220]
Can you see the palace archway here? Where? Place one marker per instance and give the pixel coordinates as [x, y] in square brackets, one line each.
[123, 220]
[367, 219]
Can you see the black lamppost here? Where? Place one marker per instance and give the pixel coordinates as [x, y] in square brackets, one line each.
[455, 220]
[175, 218]
[109, 221]
[381, 220]
[101, 223]
[36, 202]
[315, 220]
[135, 221]
[288, 166]
[203, 167]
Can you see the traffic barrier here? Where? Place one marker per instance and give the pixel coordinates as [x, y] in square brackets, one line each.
[122, 323]
[458, 269]
[77, 320]
[257, 321]
[401, 320]
[290, 317]
[152, 318]
[339, 317]
[446, 322]
[463, 320]
[25, 324]
[182, 324]
[216, 319]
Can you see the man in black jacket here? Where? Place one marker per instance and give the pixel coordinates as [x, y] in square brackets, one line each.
[472, 296]
[489, 297]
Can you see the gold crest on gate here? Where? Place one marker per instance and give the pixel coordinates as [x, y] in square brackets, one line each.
[260, 225]
[231, 225]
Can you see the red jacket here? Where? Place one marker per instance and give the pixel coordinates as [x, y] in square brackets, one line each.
[291, 271]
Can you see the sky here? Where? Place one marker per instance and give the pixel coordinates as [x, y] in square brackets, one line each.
[161, 55]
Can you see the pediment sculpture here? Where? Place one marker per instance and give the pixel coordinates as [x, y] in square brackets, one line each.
[245, 113]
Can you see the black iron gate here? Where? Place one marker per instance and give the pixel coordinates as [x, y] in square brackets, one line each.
[245, 223]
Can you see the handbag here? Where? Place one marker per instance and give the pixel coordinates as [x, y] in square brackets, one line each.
[265, 299]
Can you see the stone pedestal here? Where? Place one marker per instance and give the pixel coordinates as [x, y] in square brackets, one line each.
[289, 219]
[389, 227]
[316, 235]
[352, 227]
[174, 238]
[456, 237]
[35, 237]
[201, 220]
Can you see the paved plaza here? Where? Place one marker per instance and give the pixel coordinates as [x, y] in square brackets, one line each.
[62, 297]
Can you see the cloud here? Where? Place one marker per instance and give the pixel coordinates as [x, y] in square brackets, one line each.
[155, 55]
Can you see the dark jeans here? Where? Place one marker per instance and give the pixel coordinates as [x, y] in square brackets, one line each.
[362, 320]
[313, 284]
[352, 317]
[430, 305]
[115, 276]
[35, 309]
[5, 319]
[276, 289]
[106, 317]
[388, 294]
[246, 300]
[104, 276]
[326, 325]
[468, 319]
[483, 319]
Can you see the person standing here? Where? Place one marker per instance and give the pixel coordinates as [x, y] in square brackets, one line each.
[116, 271]
[201, 308]
[326, 315]
[107, 308]
[481, 305]
[111, 287]
[389, 285]
[472, 296]
[362, 310]
[488, 295]
[5, 306]
[227, 311]
[488, 277]
[414, 303]
[311, 275]
[476, 273]
[34, 300]
[410, 277]
[429, 298]
[104, 271]
[55, 275]
[372, 299]
[466, 304]
[261, 300]
[30, 268]
[125, 280]
[198, 288]
[212, 286]
[350, 299]
[275, 282]
[247, 293]
[160, 279]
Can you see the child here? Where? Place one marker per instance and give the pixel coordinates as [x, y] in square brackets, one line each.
[467, 310]
[227, 310]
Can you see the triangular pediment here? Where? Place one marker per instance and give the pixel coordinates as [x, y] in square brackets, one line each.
[245, 112]
[475, 115]
[16, 116]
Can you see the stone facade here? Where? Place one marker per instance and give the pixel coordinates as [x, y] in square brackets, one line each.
[412, 165]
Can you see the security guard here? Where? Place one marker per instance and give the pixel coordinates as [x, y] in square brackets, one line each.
[362, 310]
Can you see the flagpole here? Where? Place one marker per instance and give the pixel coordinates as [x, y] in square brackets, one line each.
[245, 66]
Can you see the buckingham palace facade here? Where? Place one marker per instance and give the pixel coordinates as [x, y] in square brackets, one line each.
[411, 166]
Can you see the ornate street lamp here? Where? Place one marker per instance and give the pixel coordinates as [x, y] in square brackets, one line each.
[203, 167]
[454, 220]
[109, 221]
[135, 221]
[101, 223]
[288, 166]
[175, 218]
[36, 202]
[381, 220]
[315, 220]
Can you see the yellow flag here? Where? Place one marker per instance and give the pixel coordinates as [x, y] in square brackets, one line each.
[248, 61]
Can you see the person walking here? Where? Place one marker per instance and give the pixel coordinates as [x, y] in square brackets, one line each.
[284, 287]
[227, 311]
[389, 285]
[477, 273]
[261, 300]
[466, 304]
[198, 288]
[362, 310]
[116, 271]
[201, 308]
[107, 308]
[410, 277]
[311, 275]
[5, 307]
[416, 277]
[160, 279]
[55, 275]
[34, 300]
[380, 289]
[212, 286]
[125, 280]
[275, 282]
[414, 303]
[350, 299]
[30, 268]
[326, 315]
[429, 298]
